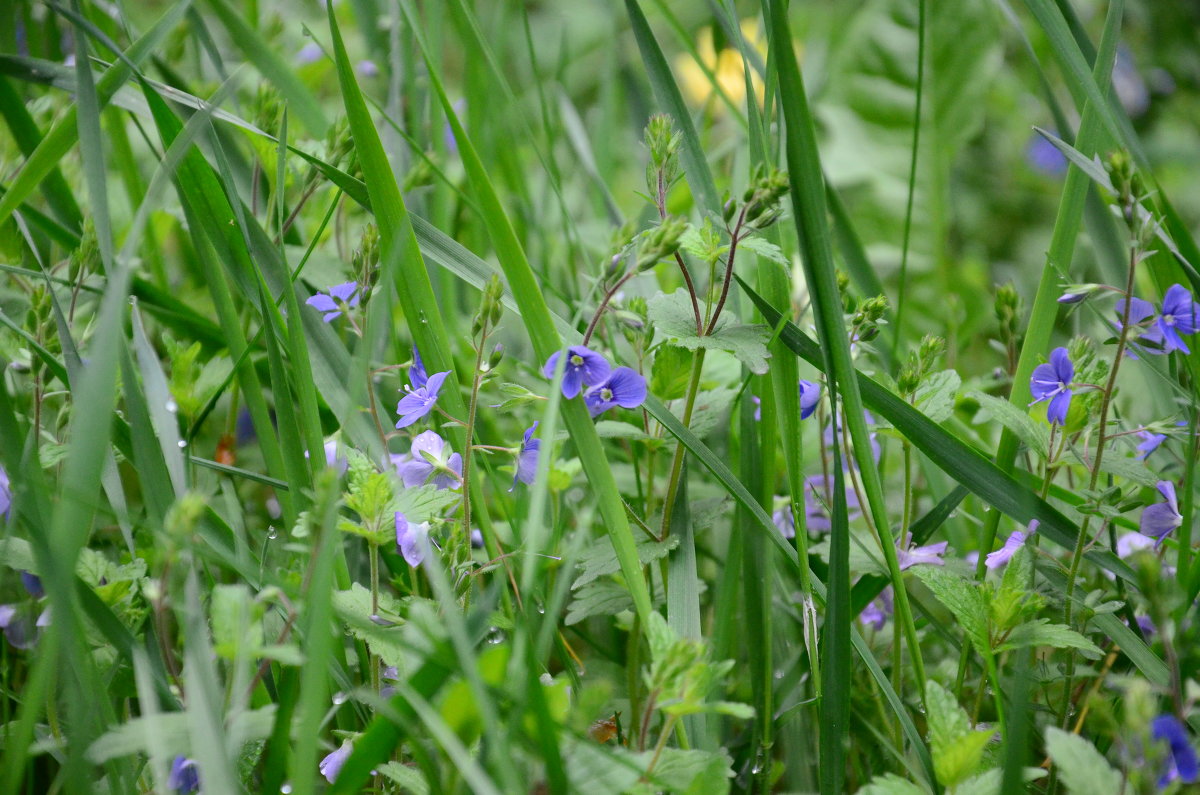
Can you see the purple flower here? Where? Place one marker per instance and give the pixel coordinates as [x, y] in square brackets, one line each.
[625, 387]
[416, 371]
[1072, 298]
[309, 53]
[420, 401]
[1182, 762]
[1132, 542]
[1159, 519]
[810, 396]
[5, 495]
[584, 368]
[1003, 555]
[430, 456]
[331, 765]
[1045, 157]
[818, 494]
[33, 584]
[930, 554]
[1150, 443]
[1178, 316]
[332, 459]
[339, 297]
[1053, 382]
[367, 68]
[184, 778]
[782, 517]
[412, 539]
[876, 614]
[14, 620]
[757, 407]
[1145, 340]
[448, 132]
[527, 458]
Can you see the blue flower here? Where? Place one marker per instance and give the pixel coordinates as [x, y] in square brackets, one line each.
[416, 371]
[1053, 382]
[1132, 542]
[430, 456]
[309, 53]
[412, 539]
[810, 396]
[527, 458]
[184, 778]
[33, 584]
[420, 401]
[1150, 443]
[625, 387]
[1015, 541]
[930, 554]
[1182, 763]
[1146, 338]
[1161, 518]
[5, 495]
[331, 765]
[1179, 315]
[1045, 157]
[584, 368]
[368, 68]
[339, 297]
[876, 614]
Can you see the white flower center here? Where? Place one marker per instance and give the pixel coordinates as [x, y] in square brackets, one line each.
[606, 394]
[576, 360]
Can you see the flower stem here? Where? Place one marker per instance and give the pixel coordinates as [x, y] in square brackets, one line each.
[677, 461]
[587, 335]
[733, 242]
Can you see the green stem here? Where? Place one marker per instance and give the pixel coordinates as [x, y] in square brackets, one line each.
[677, 461]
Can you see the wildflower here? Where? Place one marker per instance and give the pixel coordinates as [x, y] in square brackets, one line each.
[1160, 519]
[930, 554]
[1072, 298]
[584, 367]
[1045, 157]
[309, 53]
[33, 584]
[527, 457]
[420, 401]
[390, 674]
[368, 68]
[1146, 340]
[1053, 382]
[810, 396]
[875, 615]
[183, 777]
[1132, 542]
[625, 387]
[757, 407]
[782, 517]
[412, 539]
[332, 458]
[430, 456]
[1150, 443]
[1003, 555]
[416, 371]
[5, 495]
[331, 765]
[339, 297]
[1182, 762]
[1179, 315]
[834, 431]
[818, 495]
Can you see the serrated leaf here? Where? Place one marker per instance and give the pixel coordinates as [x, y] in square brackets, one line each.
[672, 315]
[599, 560]
[420, 504]
[765, 248]
[353, 607]
[1081, 768]
[235, 621]
[962, 597]
[891, 784]
[1032, 434]
[616, 429]
[17, 554]
[409, 779]
[1040, 632]
[935, 397]
[600, 598]
[171, 733]
[957, 748]
[670, 372]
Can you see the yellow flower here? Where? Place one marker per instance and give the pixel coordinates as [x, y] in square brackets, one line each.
[725, 69]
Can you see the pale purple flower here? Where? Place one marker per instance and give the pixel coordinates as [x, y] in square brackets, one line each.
[308, 54]
[1052, 382]
[584, 367]
[1072, 298]
[1161, 518]
[431, 457]
[527, 458]
[412, 539]
[334, 459]
[14, 620]
[420, 401]
[416, 371]
[1003, 555]
[7, 613]
[1045, 157]
[43, 620]
[338, 298]
[367, 68]
[782, 517]
[1180, 315]
[1146, 338]
[331, 765]
[1150, 443]
[930, 554]
[1129, 543]
[757, 407]
[876, 614]
[1182, 762]
[624, 387]
[810, 396]
[834, 431]
[5, 495]
[818, 496]
[184, 778]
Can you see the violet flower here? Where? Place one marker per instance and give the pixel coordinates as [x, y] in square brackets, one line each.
[875, 615]
[5, 495]
[367, 68]
[624, 387]
[418, 402]
[584, 367]
[184, 778]
[309, 53]
[1052, 382]
[412, 539]
[1179, 315]
[1182, 762]
[527, 458]
[810, 396]
[331, 765]
[996, 559]
[816, 502]
[33, 584]
[338, 298]
[430, 456]
[1161, 518]
[782, 517]
[930, 554]
[1150, 443]
[1129, 543]
[416, 371]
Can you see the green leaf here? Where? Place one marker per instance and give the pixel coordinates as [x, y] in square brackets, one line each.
[670, 371]
[891, 784]
[961, 597]
[764, 248]
[236, 628]
[172, 731]
[602, 598]
[17, 554]
[409, 779]
[599, 560]
[1040, 632]
[672, 315]
[353, 607]
[957, 748]
[1080, 766]
[1034, 435]
[935, 397]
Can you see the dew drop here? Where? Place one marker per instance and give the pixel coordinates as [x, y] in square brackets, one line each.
[286, 789]
[272, 533]
[182, 443]
[339, 698]
[495, 635]
[171, 405]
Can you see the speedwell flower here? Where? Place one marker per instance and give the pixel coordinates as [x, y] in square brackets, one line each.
[1182, 762]
[338, 298]
[930, 554]
[810, 396]
[1052, 382]
[584, 367]
[527, 457]
[184, 778]
[412, 539]
[1161, 518]
[625, 387]
[416, 371]
[5, 495]
[331, 765]
[420, 401]
[1180, 315]
[876, 614]
[1015, 541]
[430, 456]
[1150, 443]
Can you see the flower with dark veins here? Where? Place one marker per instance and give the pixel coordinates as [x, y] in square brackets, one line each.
[810, 396]
[431, 457]
[930, 554]
[624, 387]
[338, 299]
[416, 371]
[1182, 762]
[584, 367]
[412, 539]
[1052, 381]
[1180, 315]
[418, 402]
[527, 458]
[1160, 519]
